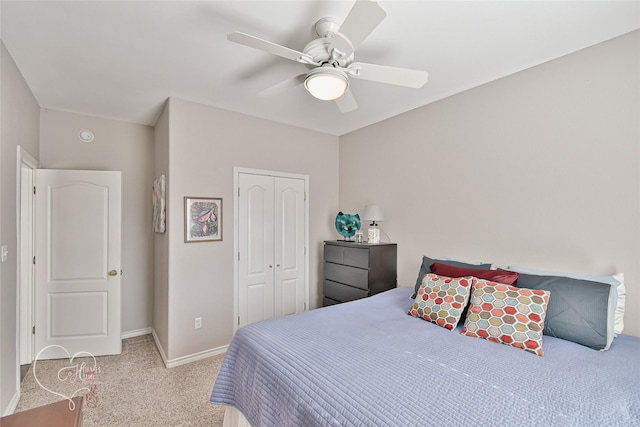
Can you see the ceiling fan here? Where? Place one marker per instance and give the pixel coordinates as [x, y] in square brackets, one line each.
[331, 58]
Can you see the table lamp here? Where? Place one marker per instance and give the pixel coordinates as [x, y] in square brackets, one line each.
[373, 213]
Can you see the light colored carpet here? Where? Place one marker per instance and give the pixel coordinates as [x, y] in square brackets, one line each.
[132, 389]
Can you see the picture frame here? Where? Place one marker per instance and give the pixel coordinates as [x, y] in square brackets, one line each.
[202, 219]
[159, 209]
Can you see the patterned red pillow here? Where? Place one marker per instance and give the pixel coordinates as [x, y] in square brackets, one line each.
[441, 300]
[507, 315]
[499, 276]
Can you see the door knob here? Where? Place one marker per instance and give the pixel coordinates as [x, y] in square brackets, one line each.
[113, 273]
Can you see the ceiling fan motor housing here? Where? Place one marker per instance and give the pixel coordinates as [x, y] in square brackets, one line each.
[318, 49]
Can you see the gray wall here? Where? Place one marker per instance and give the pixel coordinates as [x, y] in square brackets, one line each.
[19, 121]
[118, 146]
[160, 240]
[538, 169]
[205, 144]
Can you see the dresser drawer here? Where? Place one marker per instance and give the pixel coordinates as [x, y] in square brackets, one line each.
[342, 293]
[355, 256]
[345, 274]
[326, 302]
[333, 254]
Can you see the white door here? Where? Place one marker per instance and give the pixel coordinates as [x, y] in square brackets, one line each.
[271, 247]
[289, 246]
[77, 271]
[256, 290]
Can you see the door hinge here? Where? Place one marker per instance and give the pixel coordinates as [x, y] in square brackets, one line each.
[238, 320]
[238, 256]
[34, 259]
[33, 330]
[305, 306]
[305, 196]
[305, 251]
[238, 191]
[34, 189]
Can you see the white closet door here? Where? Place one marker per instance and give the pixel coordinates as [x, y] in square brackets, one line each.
[289, 246]
[255, 244]
[271, 246]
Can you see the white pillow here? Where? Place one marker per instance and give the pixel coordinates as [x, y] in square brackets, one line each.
[616, 280]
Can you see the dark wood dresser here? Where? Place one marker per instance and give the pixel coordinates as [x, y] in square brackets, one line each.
[357, 270]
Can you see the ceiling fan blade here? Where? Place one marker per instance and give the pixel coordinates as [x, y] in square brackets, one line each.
[267, 46]
[363, 18]
[283, 86]
[347, 103]
[391, 75]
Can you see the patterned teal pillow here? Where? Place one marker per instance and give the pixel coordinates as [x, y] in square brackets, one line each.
[441, 300]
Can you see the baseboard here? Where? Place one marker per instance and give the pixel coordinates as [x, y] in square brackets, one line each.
[196, 356]
[136, 333]
[189, 358]
[159, 347]
[13, 404]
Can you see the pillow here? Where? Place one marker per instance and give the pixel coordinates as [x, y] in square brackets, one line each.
[499, 276]
[426, 268]
[581, 311]
[616, 280]
[440, 300]
[507, 315]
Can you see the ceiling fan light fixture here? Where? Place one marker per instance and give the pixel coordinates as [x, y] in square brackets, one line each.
[326, 83]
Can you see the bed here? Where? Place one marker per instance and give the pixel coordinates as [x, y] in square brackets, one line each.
[369, 363]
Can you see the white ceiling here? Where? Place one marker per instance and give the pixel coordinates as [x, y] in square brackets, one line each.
[122, 60]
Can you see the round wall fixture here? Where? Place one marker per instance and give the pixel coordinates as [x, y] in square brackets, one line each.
[85, 136]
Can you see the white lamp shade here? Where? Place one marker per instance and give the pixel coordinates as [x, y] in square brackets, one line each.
[326, 83]
[373, 213]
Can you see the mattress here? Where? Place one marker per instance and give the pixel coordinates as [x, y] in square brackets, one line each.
[368, 363]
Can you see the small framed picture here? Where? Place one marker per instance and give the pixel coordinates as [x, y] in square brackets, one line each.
[202, 219]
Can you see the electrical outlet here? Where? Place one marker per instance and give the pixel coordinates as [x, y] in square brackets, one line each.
[198, 323]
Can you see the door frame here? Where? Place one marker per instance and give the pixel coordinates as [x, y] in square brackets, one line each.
[25, 222]
[237, 171]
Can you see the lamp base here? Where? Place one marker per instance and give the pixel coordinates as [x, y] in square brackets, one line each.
[374, 234]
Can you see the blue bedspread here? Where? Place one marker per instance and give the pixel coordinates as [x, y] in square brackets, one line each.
[367, 363]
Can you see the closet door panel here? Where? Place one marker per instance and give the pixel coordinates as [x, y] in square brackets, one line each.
[289, 245]
[256, 234]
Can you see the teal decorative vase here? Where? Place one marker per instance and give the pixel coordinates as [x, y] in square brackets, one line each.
[347, 224]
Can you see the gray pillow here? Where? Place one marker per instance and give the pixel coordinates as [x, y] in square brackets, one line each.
[425, 268]
[581, 311]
